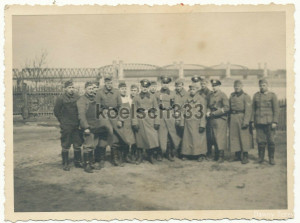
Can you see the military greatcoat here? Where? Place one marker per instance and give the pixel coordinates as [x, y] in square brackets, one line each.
[166, 100]
[218, 105]
[146, 136]
[194, 142]
[240, 115]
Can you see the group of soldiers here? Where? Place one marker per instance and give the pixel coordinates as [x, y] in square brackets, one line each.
[164, 123]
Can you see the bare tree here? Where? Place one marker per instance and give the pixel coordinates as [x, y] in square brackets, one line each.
[37, 67]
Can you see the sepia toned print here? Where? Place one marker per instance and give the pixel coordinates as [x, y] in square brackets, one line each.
[181, 111]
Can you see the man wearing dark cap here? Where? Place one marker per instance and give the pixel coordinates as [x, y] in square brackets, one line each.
[145, 122]
[153, 87]
[180, 98]
[110, 102]
[218, 107]
[65, 110]
[194, 122]
[265, 116]
[126, 130]
[204, 92]
[195, 79]
[240, 117]
[167, 134]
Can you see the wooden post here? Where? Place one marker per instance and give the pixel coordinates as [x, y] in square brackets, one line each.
[265, 70]
[121, 70]
[25, 110]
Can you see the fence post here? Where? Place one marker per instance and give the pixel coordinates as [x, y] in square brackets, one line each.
[25, 110]
[181, 71]
[228, 67]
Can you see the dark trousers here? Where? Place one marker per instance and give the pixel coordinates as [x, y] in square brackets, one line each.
[70, 135]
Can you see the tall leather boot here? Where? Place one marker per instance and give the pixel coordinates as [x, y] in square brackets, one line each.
[97, 155]
[133, 152]
[261, 152]
[126, 156]
[221, 156]
[271, 151]
[139, 159]
[91, 159]
[102, 156]
[216, 155]
[77, 158]
[159, 154]
[120, 156]
[169, 151]
[245, 158]
[150, 155]
[65, 157]
[114, 153]
[87, 165]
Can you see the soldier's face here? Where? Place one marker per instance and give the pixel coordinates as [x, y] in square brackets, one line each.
[70, 89]
[238, 87]
[144, 89]
[216, 88]
[263, 87]
[123, 91]
[108, 85]
[95, 88]
[165, 86]
[133, 91]
[203, 84]
[193, 91]
[153, 88]
[89, 90]
[179, 87]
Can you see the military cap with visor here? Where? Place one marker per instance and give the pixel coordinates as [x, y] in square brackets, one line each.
[145, 83]
[68, 83]
[166, 79]
[215, 82]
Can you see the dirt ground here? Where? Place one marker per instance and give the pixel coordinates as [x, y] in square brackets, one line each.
[41, 185]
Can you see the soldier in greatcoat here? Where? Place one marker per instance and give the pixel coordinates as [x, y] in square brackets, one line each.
[65, 110]
[180, 98]
[125, 115]
[110, 102]
[167, 134]
[218, 107]
[265, 116]
[194, 122]
[134, 90]
[240, 117]
[153, 87]
[90, 124]
[145, 122]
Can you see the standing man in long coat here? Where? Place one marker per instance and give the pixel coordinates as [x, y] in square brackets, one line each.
[125, 115]
[145, 122]
[65, 110]
[167, 134]
[218, 108]
[110, 102]
[180, 98]
[134, 90]
[265, 116]
[194, 122]
[240, 117]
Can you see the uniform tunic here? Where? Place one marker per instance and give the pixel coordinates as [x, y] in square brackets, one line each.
[88, 120]
[193, 142]
[218, 105]
[204, 92]
[166, 99]
[265, 112]
[180, 100]
[146, 136]
[240, 114]
[65, 110]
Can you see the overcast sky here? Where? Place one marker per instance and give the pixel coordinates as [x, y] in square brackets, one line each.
[160, 39]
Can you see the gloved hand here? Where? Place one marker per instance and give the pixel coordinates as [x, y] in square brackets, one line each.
[245, 126]
[274, 125]
[87, 131]
[156, 126]
[201, 129]
[119, 124]
[135, 128]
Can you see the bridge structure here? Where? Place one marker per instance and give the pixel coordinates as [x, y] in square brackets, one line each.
[120, 70]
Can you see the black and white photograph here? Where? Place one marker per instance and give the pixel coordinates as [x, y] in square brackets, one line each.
[163, 109]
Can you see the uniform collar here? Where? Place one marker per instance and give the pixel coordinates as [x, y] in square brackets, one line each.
[90, 97]
[146, 94]
[192, 99]
[238, 93]
[181, 93]
[166, 91]
[266, 92]
[106, 91]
